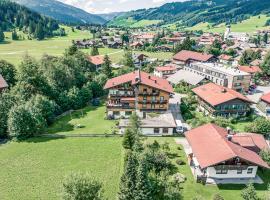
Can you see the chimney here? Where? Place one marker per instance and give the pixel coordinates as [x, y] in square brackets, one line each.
[149, 77]
[155, 81]
[224, 90]
[229, 133]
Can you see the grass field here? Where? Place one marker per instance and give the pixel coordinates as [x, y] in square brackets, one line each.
[91, 119]
[13, 51]
[144, 23]
[35, 169]
[250, 25]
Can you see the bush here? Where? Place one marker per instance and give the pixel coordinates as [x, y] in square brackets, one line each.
[179, 178]
[180, 162]
[79, 186]
[179, 148]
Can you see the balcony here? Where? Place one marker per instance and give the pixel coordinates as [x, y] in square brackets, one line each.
[154, 101]
[121, 95]
[119, 106]
[149, 93]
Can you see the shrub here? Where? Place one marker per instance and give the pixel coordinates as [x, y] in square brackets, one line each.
[180, 162]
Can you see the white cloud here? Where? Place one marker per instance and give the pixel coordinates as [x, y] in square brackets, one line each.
[107, 6]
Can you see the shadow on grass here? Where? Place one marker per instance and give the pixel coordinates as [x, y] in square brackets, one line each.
[264, 175]
[5, 42]
[40, 139]
[63, 124]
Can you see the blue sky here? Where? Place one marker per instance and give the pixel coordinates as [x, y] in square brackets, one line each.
[107, 6]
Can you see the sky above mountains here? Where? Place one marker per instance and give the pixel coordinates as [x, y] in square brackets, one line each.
[108, 6]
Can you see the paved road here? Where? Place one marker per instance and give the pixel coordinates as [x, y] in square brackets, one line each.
[174, 107]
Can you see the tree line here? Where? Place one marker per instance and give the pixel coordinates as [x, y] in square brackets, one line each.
[40, 90]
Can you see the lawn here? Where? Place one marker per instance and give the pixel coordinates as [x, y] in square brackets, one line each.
[91, 120]
[192, 189]
[250, 25]
[35, 169]
[13, 51]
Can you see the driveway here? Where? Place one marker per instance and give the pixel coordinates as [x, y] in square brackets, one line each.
[255, 97]
[184, 143]
[174, 107]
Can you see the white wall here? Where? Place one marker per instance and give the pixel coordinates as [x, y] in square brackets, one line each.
[211, 172]
[121, 114]
[149, 131]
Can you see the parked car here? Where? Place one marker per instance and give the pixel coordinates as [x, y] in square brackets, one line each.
[179, 126]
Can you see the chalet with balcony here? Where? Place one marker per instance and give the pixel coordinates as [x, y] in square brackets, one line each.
[3, 84]
[185, 57]
[138, 91]
[97, 61]
[216, 100]
[217, 156]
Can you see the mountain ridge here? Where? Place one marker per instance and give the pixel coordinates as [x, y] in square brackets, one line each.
[62, 12]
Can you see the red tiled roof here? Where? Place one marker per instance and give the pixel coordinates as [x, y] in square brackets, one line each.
[210, 146]
[142, 78]
[192, 55]
[250, 69]
[146, 36]
[266, 98]
[3, 83]
[96, 60]
[216, 94]
[166, 68]
[250, 140]
[225, 57]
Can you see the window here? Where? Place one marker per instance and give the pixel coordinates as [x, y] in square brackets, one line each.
[116, 113]
[250, 170]
[144, 105]
[152, 106]
[161, 98]
[156, 130]
[144, 98]
[153, 98]
[221, 171]
[144, 89]
[161, 106]
[239, 171]
[165, 130]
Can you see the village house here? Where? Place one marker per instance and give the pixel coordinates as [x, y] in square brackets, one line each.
[264, 104]
[208, 39]
[252, 70]
[165, 71]
[217, 156]
[225, 59]
[185, 57]
[145, 38]
[138, 91]
[216, 100]
[222, 75]
[139, 59]
[136, 45]
[3, 84]
[153, 124]
[84, 43]
[98, 61]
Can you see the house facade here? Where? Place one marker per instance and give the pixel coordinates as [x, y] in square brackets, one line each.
[264, 104]
[215, 100]
[138, 91]
[221, 75]
[214, 156]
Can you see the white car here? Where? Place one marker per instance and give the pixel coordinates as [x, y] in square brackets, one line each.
[179, 126]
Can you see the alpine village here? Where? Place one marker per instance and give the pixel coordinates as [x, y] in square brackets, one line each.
[135, 100]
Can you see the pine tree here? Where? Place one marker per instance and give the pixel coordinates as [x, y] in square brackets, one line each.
[128, 60]
[143, 186]
[107, 69]
[129, 139]
[249, 193]
[128, 179]
[94, 51]
[39, 33]
[14, 35]
[2, 36]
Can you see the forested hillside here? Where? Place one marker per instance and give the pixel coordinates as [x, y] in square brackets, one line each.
[14, 16]
[62, 12]
[193, 12]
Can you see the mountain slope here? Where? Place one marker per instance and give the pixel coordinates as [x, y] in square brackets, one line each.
[14, 16]
[110, 16]
[193, 12]
[62, 12]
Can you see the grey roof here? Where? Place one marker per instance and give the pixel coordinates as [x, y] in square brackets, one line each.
[158, 120]
[186, 76]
